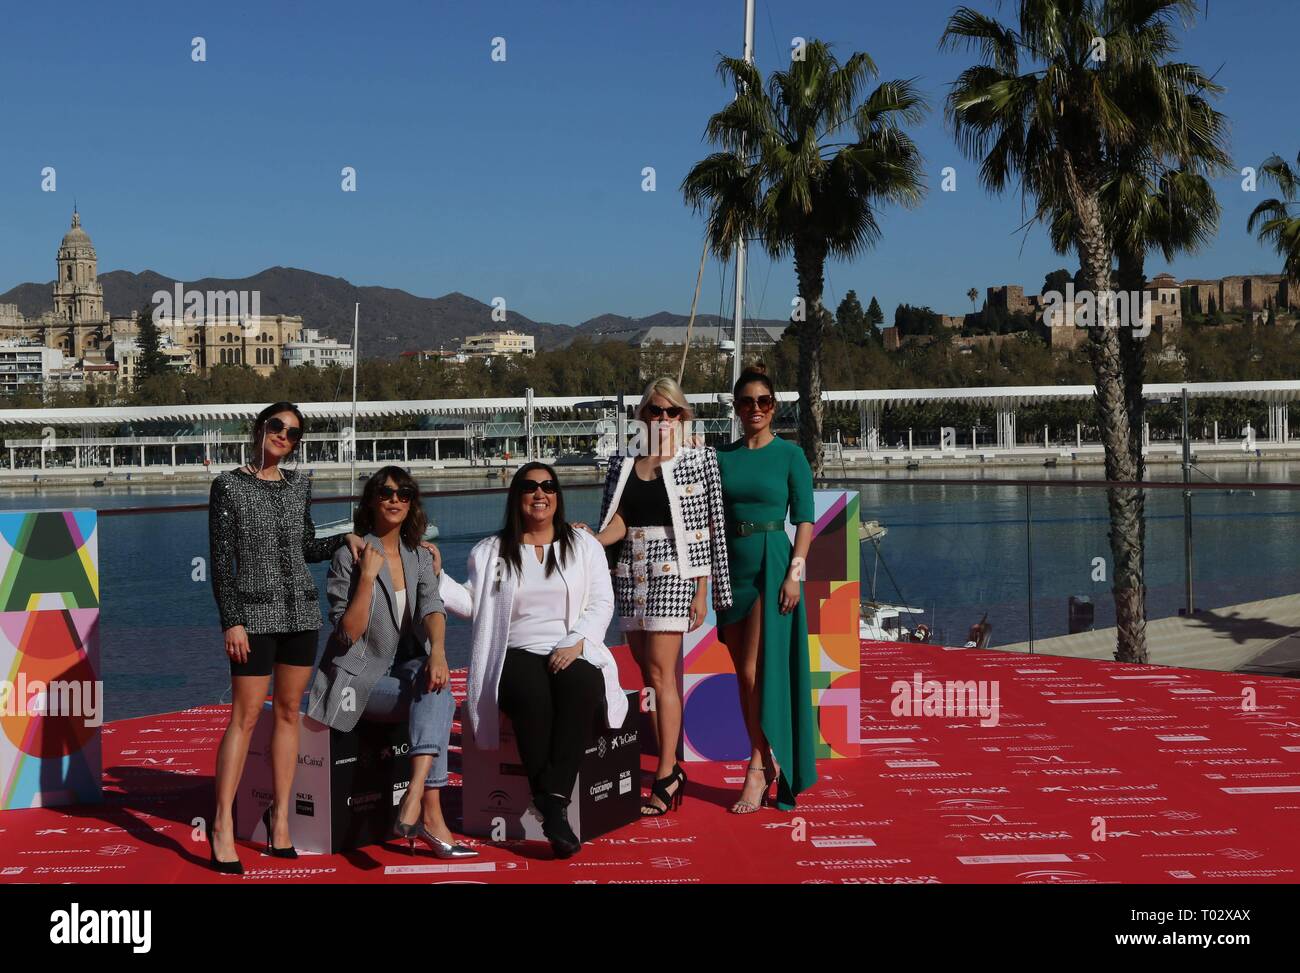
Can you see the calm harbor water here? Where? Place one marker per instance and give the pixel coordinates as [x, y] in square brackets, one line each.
[958, 551]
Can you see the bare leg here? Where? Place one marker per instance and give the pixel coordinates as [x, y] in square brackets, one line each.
[247, 693]
[290, 684]
[662, 652]
[414, 797]
[431, 813]
[637, 643]
[744, 641]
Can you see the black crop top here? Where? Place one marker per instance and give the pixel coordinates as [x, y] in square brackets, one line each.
[645, 502]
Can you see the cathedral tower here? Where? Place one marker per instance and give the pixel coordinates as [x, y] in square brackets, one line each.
[78, 295]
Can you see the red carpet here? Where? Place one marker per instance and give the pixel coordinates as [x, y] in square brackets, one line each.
[1188, 785]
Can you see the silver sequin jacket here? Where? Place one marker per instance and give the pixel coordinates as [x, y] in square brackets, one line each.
[261, 537]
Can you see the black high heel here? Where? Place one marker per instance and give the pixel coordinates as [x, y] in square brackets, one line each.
[290, 852]
[235, 867]
[659, 789]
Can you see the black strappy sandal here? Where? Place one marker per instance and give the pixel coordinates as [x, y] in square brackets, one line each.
[659, 789]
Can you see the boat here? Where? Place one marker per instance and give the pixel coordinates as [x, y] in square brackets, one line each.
[880, 621]
[332, 528]
[883, 622]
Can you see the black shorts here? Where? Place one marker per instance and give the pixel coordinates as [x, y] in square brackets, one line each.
[277, 649]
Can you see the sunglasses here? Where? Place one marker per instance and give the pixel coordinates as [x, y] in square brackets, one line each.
[760, 402]
[276, 424]
[671, 411]
[546, 486]
[405, 494]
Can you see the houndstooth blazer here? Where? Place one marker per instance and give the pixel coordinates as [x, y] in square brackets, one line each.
[694, 487]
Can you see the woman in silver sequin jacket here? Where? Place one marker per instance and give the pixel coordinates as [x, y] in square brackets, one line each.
[261, 537]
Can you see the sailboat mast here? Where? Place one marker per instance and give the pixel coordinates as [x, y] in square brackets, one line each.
[356, 321]
[740, 250]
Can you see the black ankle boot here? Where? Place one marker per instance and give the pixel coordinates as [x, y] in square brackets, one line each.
[555, 825]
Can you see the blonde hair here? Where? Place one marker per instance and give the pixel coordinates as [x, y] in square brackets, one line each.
[670, 390]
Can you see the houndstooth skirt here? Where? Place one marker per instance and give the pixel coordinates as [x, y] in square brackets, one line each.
[649, 591]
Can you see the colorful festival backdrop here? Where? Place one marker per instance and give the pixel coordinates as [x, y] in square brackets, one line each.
[51, 696]
[713, 727]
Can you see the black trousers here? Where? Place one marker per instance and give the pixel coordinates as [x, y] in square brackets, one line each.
[553, 714]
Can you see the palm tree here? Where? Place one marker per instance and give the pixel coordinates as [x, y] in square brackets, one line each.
[803, 166]
[972, 295]
[1277, 223]
[1060, 102]
[1149, 208]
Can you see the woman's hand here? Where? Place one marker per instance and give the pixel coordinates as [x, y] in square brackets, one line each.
[432, 548]
[436, 673]
[563, 658]
[699, 607]
[237, 643]
[356, 545]
[789, 595]
[372, 561]
[586, 527]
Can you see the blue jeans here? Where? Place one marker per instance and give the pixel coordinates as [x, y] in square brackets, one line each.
[400, 695]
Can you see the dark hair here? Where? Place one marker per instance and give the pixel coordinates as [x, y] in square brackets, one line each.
[412, 529]
[274, 409]
[513, 530]
[756, 372]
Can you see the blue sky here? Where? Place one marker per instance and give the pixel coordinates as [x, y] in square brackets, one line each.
[520, 179]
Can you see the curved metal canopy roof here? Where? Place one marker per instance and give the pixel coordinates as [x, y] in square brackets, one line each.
[1006, 397]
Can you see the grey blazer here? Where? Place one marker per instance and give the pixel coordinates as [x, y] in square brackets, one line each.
[349, 670]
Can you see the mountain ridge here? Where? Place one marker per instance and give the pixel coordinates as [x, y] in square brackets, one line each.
[392, 320]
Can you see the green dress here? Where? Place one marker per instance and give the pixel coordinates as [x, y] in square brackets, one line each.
[761, 485]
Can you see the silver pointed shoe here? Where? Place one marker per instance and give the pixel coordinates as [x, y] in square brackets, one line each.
[442, 849]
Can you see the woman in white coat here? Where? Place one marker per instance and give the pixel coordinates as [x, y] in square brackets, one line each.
[540, 597]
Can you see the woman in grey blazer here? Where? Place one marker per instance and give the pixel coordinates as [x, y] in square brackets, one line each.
[385, 660]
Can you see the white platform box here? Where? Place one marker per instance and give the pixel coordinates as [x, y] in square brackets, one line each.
[346, 789]
[607, 795]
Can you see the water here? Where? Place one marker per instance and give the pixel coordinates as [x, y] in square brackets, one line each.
[955, 550]
[160, 641]
[962, 551]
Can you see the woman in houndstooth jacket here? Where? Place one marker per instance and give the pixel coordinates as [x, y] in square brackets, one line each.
[663, 501]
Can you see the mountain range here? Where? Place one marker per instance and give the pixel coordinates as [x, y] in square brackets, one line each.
[392, 320]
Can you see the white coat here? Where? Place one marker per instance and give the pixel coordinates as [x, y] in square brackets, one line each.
[587, 612]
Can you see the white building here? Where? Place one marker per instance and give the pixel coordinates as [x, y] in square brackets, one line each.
[125, 352]
[25, 366]
[494, 343]
[77, 376]
[312, 349]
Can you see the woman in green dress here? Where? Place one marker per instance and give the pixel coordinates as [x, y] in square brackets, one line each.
[766, 628]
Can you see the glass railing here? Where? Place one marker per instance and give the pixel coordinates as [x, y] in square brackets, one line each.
[1032, 559]
[1026, 555]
